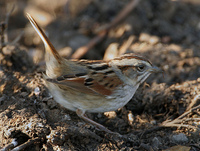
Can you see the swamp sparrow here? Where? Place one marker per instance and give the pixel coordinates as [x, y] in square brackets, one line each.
[94, 86]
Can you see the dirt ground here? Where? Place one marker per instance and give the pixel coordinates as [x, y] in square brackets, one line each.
[163, 114]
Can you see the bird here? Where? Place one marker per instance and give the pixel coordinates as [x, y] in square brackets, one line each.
[92, 86]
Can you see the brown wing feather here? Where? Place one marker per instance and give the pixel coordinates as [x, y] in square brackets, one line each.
[100, 89]
[97, 83]
[76, 84]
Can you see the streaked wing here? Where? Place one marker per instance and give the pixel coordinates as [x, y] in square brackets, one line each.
[100, 80]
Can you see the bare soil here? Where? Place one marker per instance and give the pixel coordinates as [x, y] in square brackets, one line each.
[163, 114]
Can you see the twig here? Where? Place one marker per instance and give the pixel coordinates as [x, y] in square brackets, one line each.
[6, 23]
[195, 145]
[4, 30]
[192, 119]
[102, 33]
[28, 143]
[17, 38]
[122, 14]
[151, 130]
[10, 146]
[171, 124]
[189, 111]
[84, 49]
[193, 102]
[2, 34]
[177, 122]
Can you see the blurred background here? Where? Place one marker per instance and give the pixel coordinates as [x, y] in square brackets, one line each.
[167, 32]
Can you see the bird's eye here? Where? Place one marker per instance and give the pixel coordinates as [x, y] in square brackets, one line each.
[141, 68]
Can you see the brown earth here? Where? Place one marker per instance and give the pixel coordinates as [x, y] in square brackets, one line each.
[163, 114]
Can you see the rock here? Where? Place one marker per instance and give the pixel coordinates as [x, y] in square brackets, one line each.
[2, 99]
[179, 138]
[156, 143]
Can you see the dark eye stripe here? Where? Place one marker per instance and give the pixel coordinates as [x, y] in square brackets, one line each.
[125, 67]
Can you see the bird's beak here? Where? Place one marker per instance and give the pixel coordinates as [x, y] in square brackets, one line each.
[155, 69]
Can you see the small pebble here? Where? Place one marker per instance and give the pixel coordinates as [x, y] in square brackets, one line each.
[67, 117]
[99, 115]
[24, 94]
[153, 40]
[37, 91]
[111, 114]
[153, 122]
[130, 117]
[40, 125]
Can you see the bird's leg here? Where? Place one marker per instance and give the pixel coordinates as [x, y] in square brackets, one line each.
[81, 114]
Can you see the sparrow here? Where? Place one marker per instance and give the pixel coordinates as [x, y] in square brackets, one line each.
[93, 86]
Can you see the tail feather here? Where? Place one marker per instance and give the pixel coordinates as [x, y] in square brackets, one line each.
[48, 45]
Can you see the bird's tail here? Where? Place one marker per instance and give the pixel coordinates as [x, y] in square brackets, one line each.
[51, 55]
